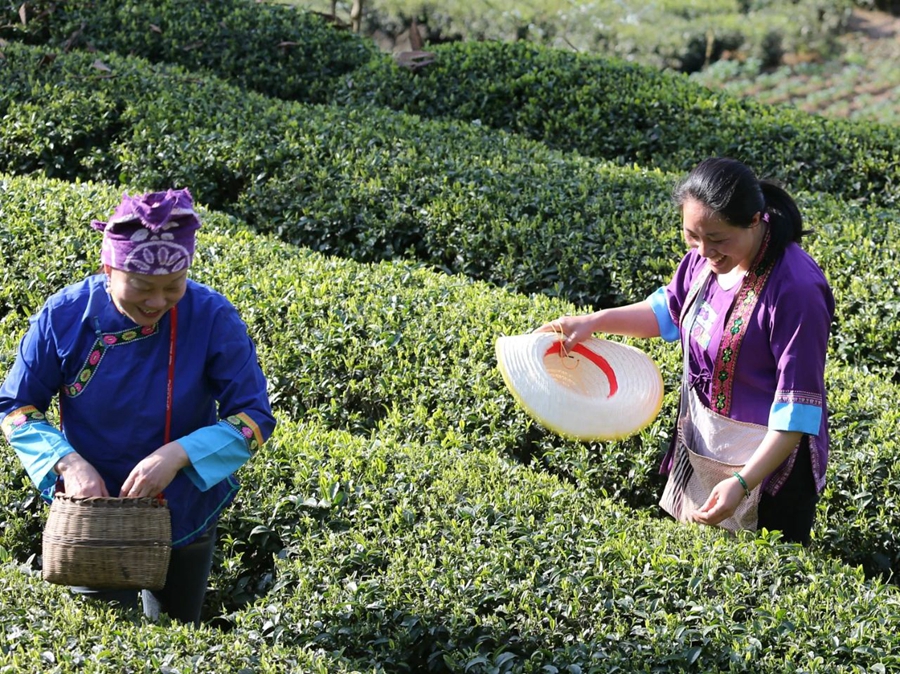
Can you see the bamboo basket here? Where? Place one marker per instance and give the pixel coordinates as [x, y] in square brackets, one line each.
[107, 543]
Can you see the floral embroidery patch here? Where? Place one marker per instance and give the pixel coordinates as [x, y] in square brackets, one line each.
[19, 417]
[103, 344]
[244, 425]
[744, 305]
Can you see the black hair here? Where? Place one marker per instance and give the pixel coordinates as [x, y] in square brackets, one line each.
[732, 191]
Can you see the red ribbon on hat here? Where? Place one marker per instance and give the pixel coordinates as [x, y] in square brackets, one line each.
[595, 358]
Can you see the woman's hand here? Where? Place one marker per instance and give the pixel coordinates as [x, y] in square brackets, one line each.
[722, 502]
[775, 448]
[81, 478]
[576, 329]
[154, 472]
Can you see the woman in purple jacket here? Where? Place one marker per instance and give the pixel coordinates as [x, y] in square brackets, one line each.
[753, 312]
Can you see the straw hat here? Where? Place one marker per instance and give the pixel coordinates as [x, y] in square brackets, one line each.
[601, 390]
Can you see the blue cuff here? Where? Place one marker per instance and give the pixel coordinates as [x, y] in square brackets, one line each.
[795, 417]
[40, 446]
[215, 452]
[660, 305]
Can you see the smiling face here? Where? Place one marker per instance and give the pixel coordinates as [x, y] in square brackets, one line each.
[725, 246]
[145, 298]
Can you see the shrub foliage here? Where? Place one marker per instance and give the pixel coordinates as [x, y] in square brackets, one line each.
[407, 516]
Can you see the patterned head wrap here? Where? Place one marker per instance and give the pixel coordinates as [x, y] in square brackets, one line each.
[150, 234]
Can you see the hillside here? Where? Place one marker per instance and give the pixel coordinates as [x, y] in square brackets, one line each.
[862, 84]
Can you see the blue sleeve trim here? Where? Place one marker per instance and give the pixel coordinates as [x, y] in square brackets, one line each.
[39, 447]
[795, 417]
[215, 452]
[667, 328]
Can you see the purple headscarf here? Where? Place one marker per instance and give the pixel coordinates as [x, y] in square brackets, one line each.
[150, 234]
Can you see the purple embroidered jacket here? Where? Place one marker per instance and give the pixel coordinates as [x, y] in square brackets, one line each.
[778, 376]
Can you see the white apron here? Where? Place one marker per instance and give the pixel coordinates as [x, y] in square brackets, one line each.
[709, 448]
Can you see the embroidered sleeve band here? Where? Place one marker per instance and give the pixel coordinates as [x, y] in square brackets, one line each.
[38, 444]
[19, 417]
[248, 428]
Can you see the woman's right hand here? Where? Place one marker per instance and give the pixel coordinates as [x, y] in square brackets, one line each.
[81, 478]
[575, 328]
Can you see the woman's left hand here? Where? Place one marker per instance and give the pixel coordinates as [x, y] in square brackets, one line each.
[154, 472]
[722, 502]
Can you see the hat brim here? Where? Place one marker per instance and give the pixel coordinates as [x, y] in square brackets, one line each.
[601, 390]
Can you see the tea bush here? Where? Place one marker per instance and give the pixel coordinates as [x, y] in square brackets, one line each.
[374, 185]
[364, 184]
[273, 49]
[586, 103]
[44, 628]
[626, 113]
[416, 557]
[680, 35]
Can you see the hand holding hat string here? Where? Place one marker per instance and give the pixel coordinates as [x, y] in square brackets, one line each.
[573, 330]
[563, 351]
